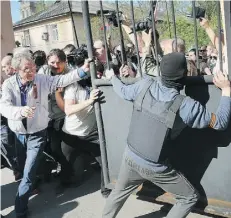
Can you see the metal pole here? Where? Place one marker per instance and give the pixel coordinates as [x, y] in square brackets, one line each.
[87, 27]
[123, 56]
[154, 36]
[219, 35]
[135, 35]
[73, 23]
[169, 29]
[104, 34]
[174, 22]
[195, 34]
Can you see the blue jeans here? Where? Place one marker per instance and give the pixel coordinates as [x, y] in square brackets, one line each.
[35, 144]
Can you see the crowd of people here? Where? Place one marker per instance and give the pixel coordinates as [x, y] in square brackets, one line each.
[47, 104]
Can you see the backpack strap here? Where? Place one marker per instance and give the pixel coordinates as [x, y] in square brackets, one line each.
[171, 116]
[139, 100]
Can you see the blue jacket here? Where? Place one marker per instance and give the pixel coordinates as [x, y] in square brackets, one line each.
[192, 113]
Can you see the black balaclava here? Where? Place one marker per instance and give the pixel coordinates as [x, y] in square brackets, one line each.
[173, 68]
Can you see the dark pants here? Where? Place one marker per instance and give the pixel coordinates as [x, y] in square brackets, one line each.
[74, 146]
[55, 136]
[132, 174]
[34, 144]
[10, 152]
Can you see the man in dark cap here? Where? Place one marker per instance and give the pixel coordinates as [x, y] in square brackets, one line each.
[158, 108]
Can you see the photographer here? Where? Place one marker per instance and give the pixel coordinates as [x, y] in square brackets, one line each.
[39, 58]
[145, 44]
[68, 50]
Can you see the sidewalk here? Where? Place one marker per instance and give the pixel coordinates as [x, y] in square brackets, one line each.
[81, 202]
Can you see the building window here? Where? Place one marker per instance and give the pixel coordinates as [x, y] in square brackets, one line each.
[23, 14]
[54, 32]
[26, 38]
[27, 13]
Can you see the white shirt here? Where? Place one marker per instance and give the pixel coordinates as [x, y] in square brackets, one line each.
[83, 122]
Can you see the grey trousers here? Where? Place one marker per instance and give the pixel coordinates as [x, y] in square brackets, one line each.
[132, 175]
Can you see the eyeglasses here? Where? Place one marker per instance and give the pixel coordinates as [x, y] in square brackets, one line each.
[203, 50]
[29, 69]
[213, 57]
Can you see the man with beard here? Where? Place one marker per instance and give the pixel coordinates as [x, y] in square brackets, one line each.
[57, 65]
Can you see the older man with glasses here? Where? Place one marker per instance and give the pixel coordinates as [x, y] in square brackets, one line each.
[24, 103]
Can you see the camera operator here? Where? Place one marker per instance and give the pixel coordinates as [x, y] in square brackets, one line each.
[145, 44]
[68, 50]
[39, 58]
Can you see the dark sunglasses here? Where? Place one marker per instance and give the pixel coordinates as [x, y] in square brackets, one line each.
[203, 50]
[213, 57]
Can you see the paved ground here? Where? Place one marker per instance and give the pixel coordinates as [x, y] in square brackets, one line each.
[82, 202]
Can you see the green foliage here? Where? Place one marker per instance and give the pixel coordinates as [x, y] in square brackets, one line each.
[185, 30]
[185, 26]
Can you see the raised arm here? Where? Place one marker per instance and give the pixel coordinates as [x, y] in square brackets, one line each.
[212, 36]
[127, 92]
[61, 81]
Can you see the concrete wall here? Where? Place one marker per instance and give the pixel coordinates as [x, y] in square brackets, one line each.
[7, 35]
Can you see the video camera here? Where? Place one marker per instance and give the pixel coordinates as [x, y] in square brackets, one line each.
[146, 24]
[199, 12]
[110, 16]
[78, 56]
[143, 25]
